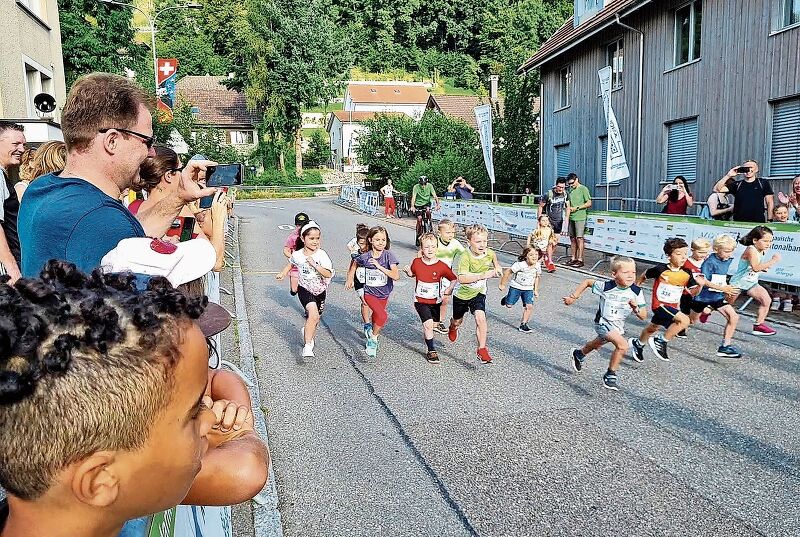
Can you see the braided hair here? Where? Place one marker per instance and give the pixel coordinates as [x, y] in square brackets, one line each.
[86, 363]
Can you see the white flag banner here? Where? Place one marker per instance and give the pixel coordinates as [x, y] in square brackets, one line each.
[616, 165]
[483, 114]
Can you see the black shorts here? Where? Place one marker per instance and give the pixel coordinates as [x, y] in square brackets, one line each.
[428, 312]
[461, 306]
[307, 297]
[686, 303]
[357, 285]
[664, 316]
[698, 306]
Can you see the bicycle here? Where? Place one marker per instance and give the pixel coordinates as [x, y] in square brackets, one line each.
[424, 224]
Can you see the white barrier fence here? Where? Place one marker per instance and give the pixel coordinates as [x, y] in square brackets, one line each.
[640, 236]
[367, 201]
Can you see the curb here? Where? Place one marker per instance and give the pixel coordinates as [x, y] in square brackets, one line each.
[266, 517]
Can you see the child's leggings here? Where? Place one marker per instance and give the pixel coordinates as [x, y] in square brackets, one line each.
[378, 307]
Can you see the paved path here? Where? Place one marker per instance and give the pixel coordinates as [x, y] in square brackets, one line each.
[523, 447]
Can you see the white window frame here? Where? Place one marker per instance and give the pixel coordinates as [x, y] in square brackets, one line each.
[692, 36]
[564, 87]
[43, 83]
[37, 8]
[618, 70]
[788, 11]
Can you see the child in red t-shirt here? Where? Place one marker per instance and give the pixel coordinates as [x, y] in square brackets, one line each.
[429, 272]
[701, 247]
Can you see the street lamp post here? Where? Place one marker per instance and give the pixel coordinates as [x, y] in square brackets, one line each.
[152, 21]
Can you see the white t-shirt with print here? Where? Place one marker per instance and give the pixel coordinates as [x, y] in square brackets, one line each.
[309, 277]
[524, 275]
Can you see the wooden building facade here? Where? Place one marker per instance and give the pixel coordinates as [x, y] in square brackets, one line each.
[716, 82]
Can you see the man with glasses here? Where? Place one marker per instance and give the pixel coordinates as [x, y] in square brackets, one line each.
[12, 145]
[76, 215]
[580, 199]
[753, 195]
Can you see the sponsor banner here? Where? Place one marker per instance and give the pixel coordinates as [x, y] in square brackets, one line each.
[483, 114]
[635, 235]
[616, 165]
[167, 75]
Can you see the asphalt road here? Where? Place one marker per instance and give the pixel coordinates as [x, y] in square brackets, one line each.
[395, 446]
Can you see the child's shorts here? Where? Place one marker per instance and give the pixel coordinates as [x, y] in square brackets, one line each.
[664, 316]
[307, 297]
[461, 306]
[515, 294]
[698, 306]
[428, 312]
[604, 328]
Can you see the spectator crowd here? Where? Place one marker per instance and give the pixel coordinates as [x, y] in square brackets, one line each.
[109, 409]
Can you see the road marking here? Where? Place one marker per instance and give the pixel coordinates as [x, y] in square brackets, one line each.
[286, 227]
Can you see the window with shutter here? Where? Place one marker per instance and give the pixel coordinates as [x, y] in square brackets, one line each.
[563, 158]
[682, 150]
[603, 141]
[785, 146]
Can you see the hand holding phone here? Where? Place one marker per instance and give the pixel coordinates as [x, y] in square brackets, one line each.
[743, 169]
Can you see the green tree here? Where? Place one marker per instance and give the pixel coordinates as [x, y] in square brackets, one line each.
[99, 37]
[319, 149]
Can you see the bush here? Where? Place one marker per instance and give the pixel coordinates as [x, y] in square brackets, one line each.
[319, 150]
[275, 177]
[441, 169]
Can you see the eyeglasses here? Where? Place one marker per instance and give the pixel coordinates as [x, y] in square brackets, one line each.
[148, 140]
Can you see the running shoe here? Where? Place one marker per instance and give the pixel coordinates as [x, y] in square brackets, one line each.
[610, 381]
[659, 347]
[367, 330]
[308, 350]
[578, 264]
[682, 334]
[503, 301]
[525, 328]
[310, 344]
[704, 317]
[728, 351]
[483, 355]
[441, 328]
[432, 357]
[763, 330]
[452, 333]
[372, 347]
[637, 349]
[577, 359]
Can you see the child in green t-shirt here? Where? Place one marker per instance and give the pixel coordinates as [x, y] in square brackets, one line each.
[448, 249]
[477, 264]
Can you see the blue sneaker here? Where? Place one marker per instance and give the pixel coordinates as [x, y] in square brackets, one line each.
[367, 330]
[577, 359]
[728, 351]
[610, 381]
[372, 347]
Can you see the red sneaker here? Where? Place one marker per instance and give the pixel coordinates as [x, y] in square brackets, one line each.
[452, 333]
[704, 317]
[763, 330]
[483, 355]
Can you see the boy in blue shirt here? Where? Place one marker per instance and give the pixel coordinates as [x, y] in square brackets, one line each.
[715, 289]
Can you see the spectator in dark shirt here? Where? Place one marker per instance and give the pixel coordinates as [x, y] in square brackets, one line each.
[12, 146]
[753, 195]
[77, 216]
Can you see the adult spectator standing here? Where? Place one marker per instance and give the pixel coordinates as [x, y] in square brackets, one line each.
[580, 200]
[792, 200]
[677, 196]
[720, 204]
[77, 216]
[388, 199]
[555, 204]
[12, 146]
[462, 188]
[47, 158]
[752, 195]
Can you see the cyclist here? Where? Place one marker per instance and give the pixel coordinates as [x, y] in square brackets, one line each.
[421, 196]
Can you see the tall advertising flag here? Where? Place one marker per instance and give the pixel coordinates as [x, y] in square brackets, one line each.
[483, 114]
[616, 165]
[166, 75]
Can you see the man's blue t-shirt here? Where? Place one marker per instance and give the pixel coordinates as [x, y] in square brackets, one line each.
[72, 220]
[715, 270]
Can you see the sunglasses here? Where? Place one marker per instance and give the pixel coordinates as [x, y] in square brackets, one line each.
[148, 140]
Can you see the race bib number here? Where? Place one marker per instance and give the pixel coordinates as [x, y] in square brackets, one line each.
[376, 278]
[525, 278]
[719, 279]
[427, 290]
[361, 274]
[480, 285]
[669, 294]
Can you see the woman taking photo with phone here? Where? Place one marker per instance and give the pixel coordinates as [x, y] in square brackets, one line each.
[677, 196]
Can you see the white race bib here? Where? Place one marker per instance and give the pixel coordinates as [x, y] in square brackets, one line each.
[525, 278]
[376, 278]
[719, 279]
[427, 290]
[480, 285]
[669, 294]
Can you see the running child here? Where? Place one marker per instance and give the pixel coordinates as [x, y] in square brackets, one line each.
[700, 247]
[381, 271]
[619, 297]
[671, 280]
[300, 219]
[527, 272]
[714, 278]
[431, 273]
[315, 271]
[356, 275]
[544, 238]
[477, 264]
[447, 250]
[751, 264]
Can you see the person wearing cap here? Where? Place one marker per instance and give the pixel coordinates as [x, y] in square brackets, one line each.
[300, 219]
[76, 215]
